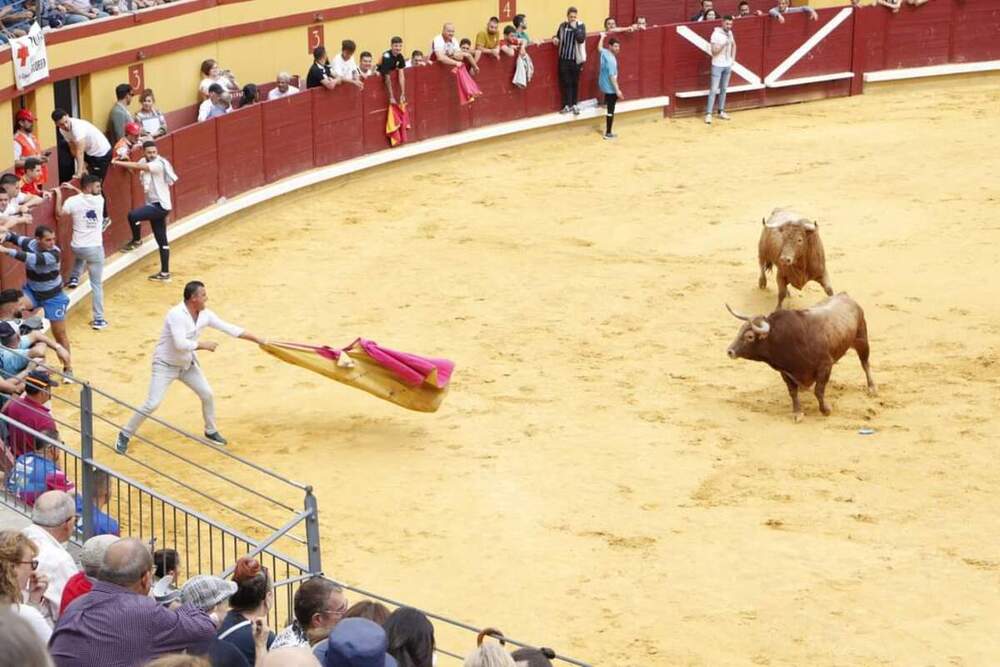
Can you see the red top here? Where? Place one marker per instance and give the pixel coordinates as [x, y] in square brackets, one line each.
[77, 585]
[32, 187]
[32, 414]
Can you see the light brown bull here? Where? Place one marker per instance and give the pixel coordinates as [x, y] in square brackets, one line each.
[791, 243]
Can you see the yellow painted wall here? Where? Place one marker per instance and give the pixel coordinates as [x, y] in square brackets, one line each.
[254, 59]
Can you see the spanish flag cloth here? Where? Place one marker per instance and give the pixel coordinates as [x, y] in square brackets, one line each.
[397, 122]
[408, 380]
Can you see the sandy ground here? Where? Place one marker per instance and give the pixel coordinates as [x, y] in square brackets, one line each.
[602, 477]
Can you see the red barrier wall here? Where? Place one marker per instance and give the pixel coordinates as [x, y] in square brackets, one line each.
[263, 143]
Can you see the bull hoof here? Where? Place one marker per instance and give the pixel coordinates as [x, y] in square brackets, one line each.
[825, 410]
[872, 390]
[797, 417]
[762, 283]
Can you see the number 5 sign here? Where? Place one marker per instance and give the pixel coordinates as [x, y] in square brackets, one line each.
[507, 10]
[315, 35]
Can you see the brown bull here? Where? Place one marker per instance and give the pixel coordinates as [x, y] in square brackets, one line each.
[803, 345]
[791, 243]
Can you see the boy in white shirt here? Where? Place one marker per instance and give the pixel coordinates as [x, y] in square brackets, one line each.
[88, 242]
[343, 66]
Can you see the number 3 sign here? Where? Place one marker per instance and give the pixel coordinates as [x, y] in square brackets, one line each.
[507, 10]
[137, 78]
[315, 34]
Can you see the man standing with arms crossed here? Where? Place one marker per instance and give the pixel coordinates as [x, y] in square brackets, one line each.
[723, 47]
[570, 33]
[175, 359]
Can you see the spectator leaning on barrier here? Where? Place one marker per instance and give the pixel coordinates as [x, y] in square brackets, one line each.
[18, 202]
[744, 11]
[344, 69]
[417, 59]
[319, 605]
[705, 6]
[488, 40]
[18, 563]
[640, 22]
[52, 521]
[120, 114]
[90, 148]
[215, 104]
[17, 355]
[393, 60]
[26, 144]
[521, 27]
[723, 47]
[366, 66]
[87, 244]
[570, 36]
[91, 557]
[123, 147]
[32, 181]
[607, 80]
[149, 117]
[156, 175]
[319, 73]
[284, 87]
[42, 265]
[211, 595]
[784, 8]
[447, 51]
[117, 623]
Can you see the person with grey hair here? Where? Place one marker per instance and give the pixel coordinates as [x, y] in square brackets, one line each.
[533, 657]
[284, 87]
[489, 655]
[91, 558]
[21, 646]
[117, 623]
[211, 595]
[52, 521]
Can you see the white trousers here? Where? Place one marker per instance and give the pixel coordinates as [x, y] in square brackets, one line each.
[163, 376]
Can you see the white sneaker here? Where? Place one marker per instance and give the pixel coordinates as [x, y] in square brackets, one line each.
[723, 115]
[708, 119]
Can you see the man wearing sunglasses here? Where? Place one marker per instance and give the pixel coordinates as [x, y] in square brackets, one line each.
[52, 522]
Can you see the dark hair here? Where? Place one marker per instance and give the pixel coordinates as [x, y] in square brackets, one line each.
[149, 143]
[42, 230]
[249, 95]
[743, 2]
[375, 612]
[411, 638]
[215, 88]
[311, 599]
[365, 54]
[88, 179]
[165, 560]
[33, 389]
[42, 443]
[572, 10]
[508, 30]
[535, 657]
[493, 19]
[464, 41]
[10, 295]
[727, 17]
[610, 18]
[148, 93]
[319, 52]
[8, 179]
[348, 45]
[713, 12]
[32, 163]
[192, 288]
[122, 90]
[613, 41]
[416, 52]
[58, 115]
[206, 66]
[519, 20]
[253, 584]
[396, 40]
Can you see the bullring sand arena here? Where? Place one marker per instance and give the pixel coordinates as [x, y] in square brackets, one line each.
[602, 477]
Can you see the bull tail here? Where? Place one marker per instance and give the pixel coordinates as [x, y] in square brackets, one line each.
[768, 266]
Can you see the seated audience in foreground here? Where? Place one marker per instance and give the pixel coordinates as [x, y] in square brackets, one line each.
[319, 605]
[358, 642]
[211, 595]
[18, 560]
[91, 558]
[411, 638]
[373, 611]
[21, 646]
[250, 603]
[52, 522]
[784, 8]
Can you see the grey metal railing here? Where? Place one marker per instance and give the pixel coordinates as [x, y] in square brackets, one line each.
[206, 544]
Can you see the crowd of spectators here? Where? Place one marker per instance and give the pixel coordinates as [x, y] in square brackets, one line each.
[107, 610]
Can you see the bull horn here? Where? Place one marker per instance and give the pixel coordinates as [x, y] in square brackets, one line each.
[761, 328]
[808, 225]
[763, 221]
[737, 315]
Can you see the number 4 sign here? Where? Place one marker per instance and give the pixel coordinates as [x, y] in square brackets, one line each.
[507, 10]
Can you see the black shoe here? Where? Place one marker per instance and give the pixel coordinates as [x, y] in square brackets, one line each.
[72, 283]
[121, 444]
[216, 438]
[160, 277]
[131, 245]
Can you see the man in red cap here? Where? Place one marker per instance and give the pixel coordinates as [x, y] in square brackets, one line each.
[26, 145]
[123, 147]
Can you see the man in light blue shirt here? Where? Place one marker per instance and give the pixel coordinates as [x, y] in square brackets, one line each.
[607, 80]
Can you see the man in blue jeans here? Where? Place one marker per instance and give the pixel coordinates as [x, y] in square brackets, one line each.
[86, 209]
[723, 50]
[156, 175]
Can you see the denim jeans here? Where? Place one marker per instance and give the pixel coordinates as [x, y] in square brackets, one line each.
[720, 81]
[91, 258]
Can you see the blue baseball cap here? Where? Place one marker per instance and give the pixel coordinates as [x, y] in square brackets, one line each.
[355, 642]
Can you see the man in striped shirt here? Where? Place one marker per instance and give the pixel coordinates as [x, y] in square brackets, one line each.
[571, 32]
[41, 257]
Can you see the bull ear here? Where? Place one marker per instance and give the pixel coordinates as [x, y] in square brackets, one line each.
[763, 222]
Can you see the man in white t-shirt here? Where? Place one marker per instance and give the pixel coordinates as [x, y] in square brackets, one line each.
[446, 50]
[284, 87]
[343, 66]
[175, 358]
[88, 242]
[723, 51]
[90, 148]
[156, 175]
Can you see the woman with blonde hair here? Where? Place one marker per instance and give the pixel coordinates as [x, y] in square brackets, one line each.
[18, 562]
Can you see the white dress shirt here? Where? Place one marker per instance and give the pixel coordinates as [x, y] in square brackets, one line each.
[56, 564]
[179, 337]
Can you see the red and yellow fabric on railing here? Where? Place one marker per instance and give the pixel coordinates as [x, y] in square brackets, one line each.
[397, 122]
[409, 380]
